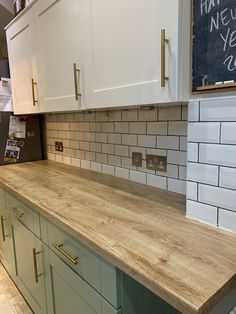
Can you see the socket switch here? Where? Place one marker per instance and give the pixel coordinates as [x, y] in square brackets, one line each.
[59, 146]
[158, 163]
[137, 159]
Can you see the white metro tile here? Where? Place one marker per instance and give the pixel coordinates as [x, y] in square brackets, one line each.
[228, 133]
[227, 220]
[137, 176]
[204, 132]
[157, 181]
[159, 128]
[193, 110]
[217, 196]
[168, 142]
[177, 186]
[202, 212]
[86, 164]
[203, 173]
[75, 162]
[185, 112]
[223, 109]
[137, 127]
[182, 172]
[66, 160]
[228, 178]
[183, 143]
[122, 173]
[147, 140]
[107, 169]
[192, 190]
[178, 128]
[170, 113]
[96, 166]
[224, 155]
[176, 157]
[192, 152]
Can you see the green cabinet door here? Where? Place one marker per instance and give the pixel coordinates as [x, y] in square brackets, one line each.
[28, 252]
[6, 243]
[68, 293]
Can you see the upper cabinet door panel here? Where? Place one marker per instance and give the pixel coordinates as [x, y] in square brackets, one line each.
[23, 65]
[59, 38]
[125, 52]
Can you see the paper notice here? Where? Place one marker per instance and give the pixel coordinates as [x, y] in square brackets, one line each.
[17, 129]
[12, 151]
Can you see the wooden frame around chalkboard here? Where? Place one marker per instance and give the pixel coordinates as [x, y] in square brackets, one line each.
[209, 88]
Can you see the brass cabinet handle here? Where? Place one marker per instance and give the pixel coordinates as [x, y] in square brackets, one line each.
[15, 211]
[33, 84]
[76, 74]
[72, 259]
[3, 229]
[164, 41]
[36, 275]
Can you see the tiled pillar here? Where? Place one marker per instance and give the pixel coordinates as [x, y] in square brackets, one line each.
[211, 167]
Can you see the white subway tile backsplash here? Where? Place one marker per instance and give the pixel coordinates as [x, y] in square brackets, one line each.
[203, 173]
[192, 188]
[114, 160]
[185, 113]
[108, 127]
[192, 152]
[146, 141]
[95, 127]
[217, 196]
[102, 158]
[218, 109]
[194, 110]
[170, 113]
[228, 178]
[204, 132]
[227, 220]
[96, 147]
[168, 142]
[121, 127]
[137, 176]
[114, 115]
[224, 155]
[159, 128]
[108, 148]
[135, 149]
[137, 127]
[86, 164]
[89, 137]
[183, 143]
[122, 173]
[75, 162]
[157, 181]
[177, 186]
[114, 138]
[178, 128]
[156, 151]
[107, 169]
[147, 115]
[101, 137]
[130, 139]
[202, 212]
[228, 133]
[90, 156]
[176, 157]
[122, 150]
[96, 166]
[182, 172]
[130, 115]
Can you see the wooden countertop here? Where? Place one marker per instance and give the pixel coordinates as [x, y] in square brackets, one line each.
[141, 230]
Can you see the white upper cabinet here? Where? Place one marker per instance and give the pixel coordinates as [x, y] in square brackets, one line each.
[59, 28]
[124, 56]
[22, 50]
[100, 53]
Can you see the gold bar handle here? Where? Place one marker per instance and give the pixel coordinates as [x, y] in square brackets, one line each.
[164, 41]
[3, 229]
[36, 275]
[76, 74]
[73, 260]
[15, 211]
[33, 84]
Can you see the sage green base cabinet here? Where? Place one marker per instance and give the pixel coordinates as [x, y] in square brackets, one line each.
[28, 251]
[6, 244]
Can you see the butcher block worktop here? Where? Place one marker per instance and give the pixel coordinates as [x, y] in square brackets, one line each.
[141, 230]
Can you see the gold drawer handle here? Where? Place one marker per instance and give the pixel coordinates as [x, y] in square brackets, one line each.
[36, 275]
[76, 74]
[33, 84]
[164, 41]
[3, 229]
[72, 259]
[15, 211]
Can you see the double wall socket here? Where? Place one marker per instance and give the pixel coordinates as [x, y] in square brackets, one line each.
[137, 159]
[158, 163]
[59, 146]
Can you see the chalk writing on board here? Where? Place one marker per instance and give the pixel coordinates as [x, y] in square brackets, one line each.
[214, 42]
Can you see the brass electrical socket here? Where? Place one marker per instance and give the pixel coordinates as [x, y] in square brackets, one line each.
[137, 159]
[158, 163]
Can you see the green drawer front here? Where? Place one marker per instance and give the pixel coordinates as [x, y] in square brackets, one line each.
[69, 292]
[24, 214]
[101, 275]
[2, 198]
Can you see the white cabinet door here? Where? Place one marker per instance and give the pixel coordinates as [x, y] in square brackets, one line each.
[59, 34]
[22, 49]
[123, 51]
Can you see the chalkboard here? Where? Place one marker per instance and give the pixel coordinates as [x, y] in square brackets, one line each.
[214, 44]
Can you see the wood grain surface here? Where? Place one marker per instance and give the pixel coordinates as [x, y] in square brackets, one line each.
[141, 230]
